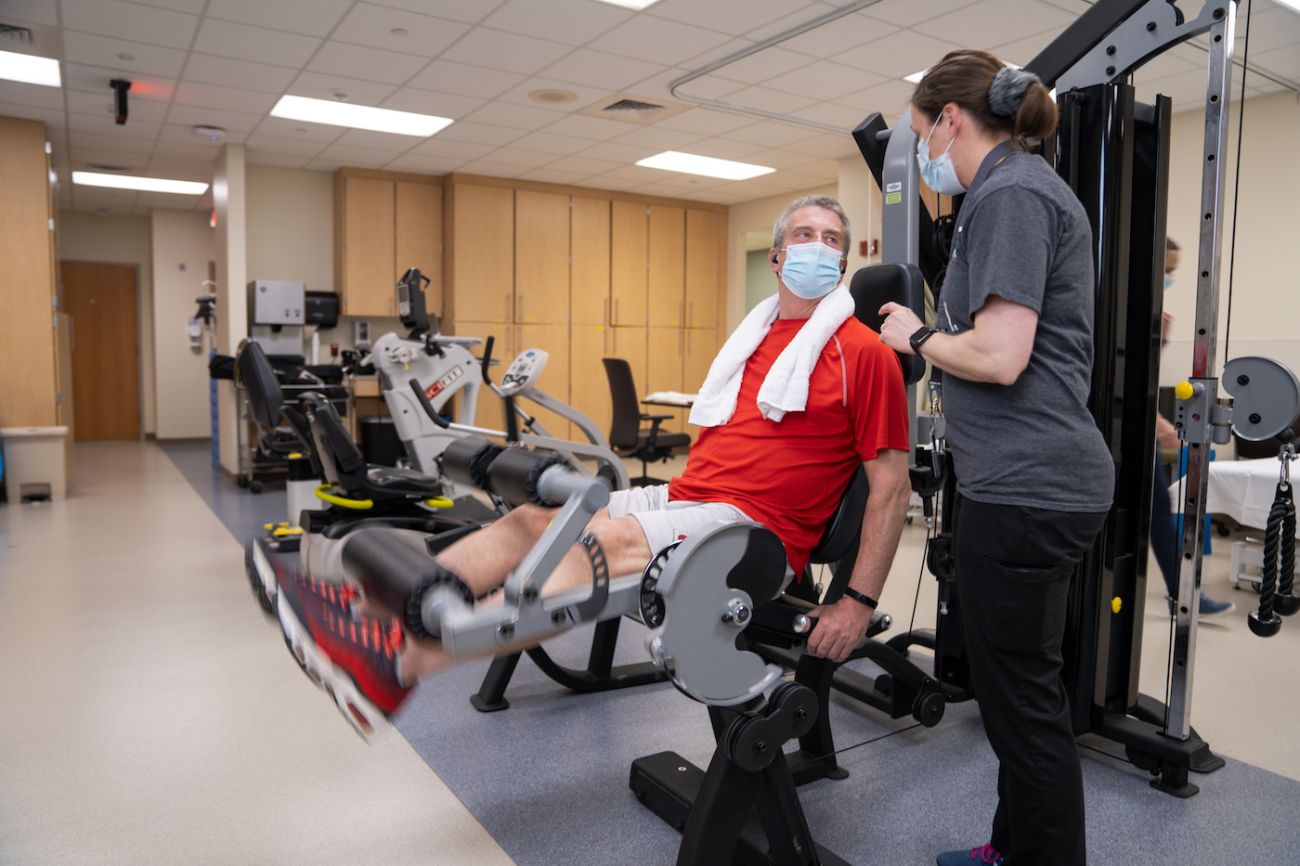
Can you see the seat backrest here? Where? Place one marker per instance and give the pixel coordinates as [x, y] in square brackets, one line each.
[254, 374]
[625, 423]
[876, 285]
[840, 537]
[341, 460]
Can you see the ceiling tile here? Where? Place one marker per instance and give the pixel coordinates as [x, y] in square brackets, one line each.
[724, 149]
[780, 159]
[429, 102]
[659, 139]
[517, 116]
[827, 146]
[905, 13]
[226, 98]
[584, 165]
[322, 85]
[229, 39]
[889, 99]
[1281, 61]
[520, 158]
[565, 145]
[730, 16]
[1269, 29]
[823, 80]
[480, 133]
[369, 64]
[122, 55]
[898, 55]
[637, 173]
[231, 121]
[550, 175]
[574, 22]
[48, 116]
[275, 160]
[492, 169]
[33, 11]
[458, 150]
[771, 133]
[766, 99]
[180, 169]
[468, 11]
[283, 146]
[584, 96]
[130, 21]
[372, 25]
[102, 103]
[193, 149]
[622, 153]
[594, 128]
[585, 66]
[988, 22]
[283, 128]
[615, 184]
[658, 87]
[707, 121]
[840, 35]
[378, 140]
[195, 6]
[422, 164]
[1021, 51]
[182, 134]
[1163, 66]
[81, 156]
[506, 51]
[209, 69]
[710, 87]
[659, 40]
[102, 124]
[363, 157]
[317, 19]
[765, 64]
[459, 78]
[832, 115]
[36, 95]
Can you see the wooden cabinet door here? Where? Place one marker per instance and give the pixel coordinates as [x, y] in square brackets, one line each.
[630, 344]
[490, 412]
[667, 277]
[483, 256]
[590, 245]
[588, 384]
[418, 236]
[554, 340]
[541, 258]
[368, 281]
[705, 252]
[629, 263]
[664, 355]
[701, 347]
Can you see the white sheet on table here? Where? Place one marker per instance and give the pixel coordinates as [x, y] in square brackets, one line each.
[1241, 489]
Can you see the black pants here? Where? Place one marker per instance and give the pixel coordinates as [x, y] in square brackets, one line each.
[1014, 566]
[1164, 530]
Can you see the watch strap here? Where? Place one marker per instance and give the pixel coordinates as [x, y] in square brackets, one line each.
[860, 598]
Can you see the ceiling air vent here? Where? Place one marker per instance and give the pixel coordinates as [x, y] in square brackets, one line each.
[28, 38]
[632, 109]
[103, 166]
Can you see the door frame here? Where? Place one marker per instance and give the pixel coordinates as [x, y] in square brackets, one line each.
[139, 329]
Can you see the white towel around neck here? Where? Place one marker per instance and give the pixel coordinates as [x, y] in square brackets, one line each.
[785, 389]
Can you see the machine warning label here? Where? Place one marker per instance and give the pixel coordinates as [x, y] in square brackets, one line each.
[893, 198]
[896, 186]
[442, 384]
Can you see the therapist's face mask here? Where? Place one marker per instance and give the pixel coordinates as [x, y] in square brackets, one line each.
[938, 173]
[1169, 281]
[811, 270]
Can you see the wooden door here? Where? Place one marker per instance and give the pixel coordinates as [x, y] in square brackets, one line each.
[667, 275]
[483, 253]
[490, 413]
[368, 280]
[105, 350]
[705, 251]
[590, 245]
[417, 227]
[588, 384]
[664, 350]
[541, 258]
[629, 263]
[554, 340]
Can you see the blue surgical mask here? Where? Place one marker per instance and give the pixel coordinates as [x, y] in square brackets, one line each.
[1169, 281]
[939, 173]
[811, 270]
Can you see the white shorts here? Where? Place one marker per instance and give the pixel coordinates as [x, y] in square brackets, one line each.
[665, 522]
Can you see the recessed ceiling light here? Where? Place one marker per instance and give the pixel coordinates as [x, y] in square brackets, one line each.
[29, 69]
[359, 116]
[915, 77]
[124, 57]
[144, 184]
[708, 166]
[631, 4]
[552, 96]
[398, 31]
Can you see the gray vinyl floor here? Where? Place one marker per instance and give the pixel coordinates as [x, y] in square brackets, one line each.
[153, 716]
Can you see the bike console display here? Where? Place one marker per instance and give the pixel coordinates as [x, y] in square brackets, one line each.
[523, 372]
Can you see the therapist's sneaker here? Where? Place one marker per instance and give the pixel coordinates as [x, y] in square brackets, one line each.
[1209, 607]
[353, 658]
[985, 853]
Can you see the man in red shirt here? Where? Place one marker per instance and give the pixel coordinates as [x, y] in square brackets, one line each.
[786, 469]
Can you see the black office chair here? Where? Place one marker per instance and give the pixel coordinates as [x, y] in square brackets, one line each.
[626, 435]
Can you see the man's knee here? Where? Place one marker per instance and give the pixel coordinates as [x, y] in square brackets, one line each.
[624, 543]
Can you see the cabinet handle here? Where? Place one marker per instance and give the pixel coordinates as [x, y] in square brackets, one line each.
[604, 315]
[614, 321]
[681, 312]
[508, 316]
[519, 308]
[690, 314]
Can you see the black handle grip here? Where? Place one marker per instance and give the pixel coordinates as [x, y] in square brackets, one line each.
[486, 363]
[428, 407]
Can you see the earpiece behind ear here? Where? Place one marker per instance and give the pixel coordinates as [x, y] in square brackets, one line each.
[774, 258]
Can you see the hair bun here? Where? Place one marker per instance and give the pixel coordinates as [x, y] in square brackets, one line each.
[1008, 90]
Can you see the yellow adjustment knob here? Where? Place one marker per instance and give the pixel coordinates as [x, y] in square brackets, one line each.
[1116, 604]
[1184, 390]
[268, 526]
[295, 456]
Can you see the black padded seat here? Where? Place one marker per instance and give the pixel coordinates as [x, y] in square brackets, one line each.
[402, 482]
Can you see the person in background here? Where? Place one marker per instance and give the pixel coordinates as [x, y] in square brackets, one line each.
[1164, 522]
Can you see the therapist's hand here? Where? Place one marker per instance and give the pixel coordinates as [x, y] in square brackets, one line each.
[900, 324]
[1166, 434]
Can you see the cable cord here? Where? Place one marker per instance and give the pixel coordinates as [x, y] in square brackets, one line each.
[1173, 610]
[1236, 183]
[920, 572]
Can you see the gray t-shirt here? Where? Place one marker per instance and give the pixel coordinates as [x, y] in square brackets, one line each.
[1024, 236]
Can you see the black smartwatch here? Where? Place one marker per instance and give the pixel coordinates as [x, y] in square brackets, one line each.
[919, 337]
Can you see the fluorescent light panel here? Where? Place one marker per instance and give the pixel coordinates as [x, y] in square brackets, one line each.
[29, 69]
[144, 184]
[915, 77]
[708, 166]
[334, 113]
[631, 4]
[1293, 5]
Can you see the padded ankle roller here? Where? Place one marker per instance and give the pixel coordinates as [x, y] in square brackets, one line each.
[466, 461]
[398, 576]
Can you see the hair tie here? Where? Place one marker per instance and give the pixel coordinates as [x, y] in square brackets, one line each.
[1008, 90]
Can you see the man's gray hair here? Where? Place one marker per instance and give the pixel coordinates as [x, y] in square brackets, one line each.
[822, 201]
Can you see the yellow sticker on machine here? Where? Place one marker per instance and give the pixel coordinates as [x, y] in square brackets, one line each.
[893, 197]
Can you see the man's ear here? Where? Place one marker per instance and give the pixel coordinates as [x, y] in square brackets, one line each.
[773, 256]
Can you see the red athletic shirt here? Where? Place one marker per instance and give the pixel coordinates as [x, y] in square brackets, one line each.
[790, 475]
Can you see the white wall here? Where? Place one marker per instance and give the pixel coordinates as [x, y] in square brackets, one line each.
[87, 237]
[1264, 308]
[230, 197]
[290, 218]
[183, 245]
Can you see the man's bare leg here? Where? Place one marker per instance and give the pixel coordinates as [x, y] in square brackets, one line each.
[622, 539]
